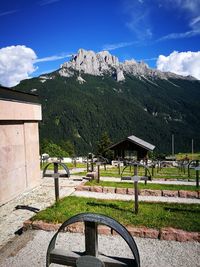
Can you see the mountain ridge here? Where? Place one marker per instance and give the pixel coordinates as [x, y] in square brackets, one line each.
[79, 107]
[103, 62]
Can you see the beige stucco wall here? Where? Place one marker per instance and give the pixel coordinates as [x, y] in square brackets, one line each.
[19, 148]
[19, 111]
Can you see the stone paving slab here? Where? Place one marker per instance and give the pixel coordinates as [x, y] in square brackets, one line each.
[131, 197]
[154, 181]
[39, 197]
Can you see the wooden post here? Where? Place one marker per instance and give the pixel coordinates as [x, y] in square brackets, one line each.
[91, 239]
[56, 181]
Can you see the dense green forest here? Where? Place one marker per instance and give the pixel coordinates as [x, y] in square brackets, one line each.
[152, 109]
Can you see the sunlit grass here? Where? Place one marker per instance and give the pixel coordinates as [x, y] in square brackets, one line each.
[164, 173]
[154, 215]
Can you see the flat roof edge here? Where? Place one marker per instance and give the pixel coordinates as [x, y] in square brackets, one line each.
[18, 96]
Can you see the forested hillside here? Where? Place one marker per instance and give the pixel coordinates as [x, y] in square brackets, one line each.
[152, 109]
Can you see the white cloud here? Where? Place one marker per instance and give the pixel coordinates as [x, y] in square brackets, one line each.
[191, 7]
[16, 63]
[52, 58]
[180, 35]
[48, 2]
[190, 10]
[138, 18]
[182, 63]
[8, 12]
[110, 47]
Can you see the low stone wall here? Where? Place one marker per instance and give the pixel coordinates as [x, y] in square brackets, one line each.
[142, 192]
[162, 234]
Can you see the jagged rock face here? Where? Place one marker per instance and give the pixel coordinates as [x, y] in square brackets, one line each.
[90, 62]
[119, 75]
[103, 62]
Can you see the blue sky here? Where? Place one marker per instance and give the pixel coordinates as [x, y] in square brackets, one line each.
[139, 29]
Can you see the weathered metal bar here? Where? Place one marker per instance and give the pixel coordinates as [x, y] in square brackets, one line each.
[197, 173]
[136, 196]
[104, 166]
[92, 164]
[56, 181]
[91, 239]
[136, 188]
[66, 258]
[98, 172]
[152, 171]
[119, 168]
[74, 258]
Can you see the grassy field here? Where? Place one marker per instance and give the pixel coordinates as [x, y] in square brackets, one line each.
[143, 186]
[164, 173]
[154, 215]
[69, 165]
[191, 156]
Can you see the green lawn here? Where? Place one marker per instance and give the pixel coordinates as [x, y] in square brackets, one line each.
[153, 215]
[143, 186]
[191, 156]
[69, 165]
[164, 173]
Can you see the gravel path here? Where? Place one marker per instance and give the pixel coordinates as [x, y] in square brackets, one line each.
[153, 253]
[141, 198]
[40, 197]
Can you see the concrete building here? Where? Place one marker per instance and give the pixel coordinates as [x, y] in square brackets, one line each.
[19, 143]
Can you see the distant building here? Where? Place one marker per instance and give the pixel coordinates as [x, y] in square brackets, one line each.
[132, 146]
[19, 143]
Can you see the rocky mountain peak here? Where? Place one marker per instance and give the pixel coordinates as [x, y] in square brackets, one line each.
[87, 61]
[90, 62]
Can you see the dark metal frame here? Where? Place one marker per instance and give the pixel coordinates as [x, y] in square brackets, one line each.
[135, 178]
[92, 220]
[56, 175]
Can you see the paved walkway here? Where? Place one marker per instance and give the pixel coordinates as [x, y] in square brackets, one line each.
[131, 197]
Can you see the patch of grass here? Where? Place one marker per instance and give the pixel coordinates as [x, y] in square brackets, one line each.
[143, 186]
[154, 215]
[69, 165]
[164, 173]
[191, 156]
